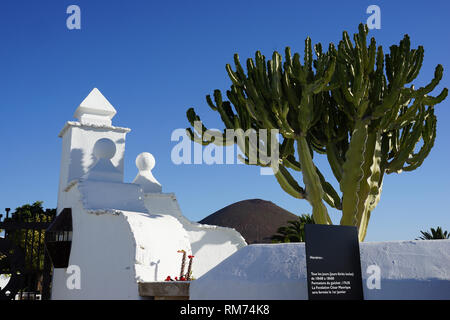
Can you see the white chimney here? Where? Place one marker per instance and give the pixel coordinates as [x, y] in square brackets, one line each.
[95, 115]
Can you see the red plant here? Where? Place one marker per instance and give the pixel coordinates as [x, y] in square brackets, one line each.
[187, 276]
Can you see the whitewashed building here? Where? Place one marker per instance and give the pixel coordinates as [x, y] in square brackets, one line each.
[123, 233]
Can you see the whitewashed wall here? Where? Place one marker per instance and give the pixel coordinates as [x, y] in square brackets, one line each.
[409, 270]
[4, 279]
[210, 244]
[115, 249]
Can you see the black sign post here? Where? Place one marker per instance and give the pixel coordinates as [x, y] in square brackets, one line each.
[333, 262]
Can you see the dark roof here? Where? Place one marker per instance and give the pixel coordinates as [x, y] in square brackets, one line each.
[256, 220]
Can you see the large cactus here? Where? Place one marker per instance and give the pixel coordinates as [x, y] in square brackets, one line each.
[350, 103]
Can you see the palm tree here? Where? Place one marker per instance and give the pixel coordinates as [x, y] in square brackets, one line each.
[294, 231]
[434, 235]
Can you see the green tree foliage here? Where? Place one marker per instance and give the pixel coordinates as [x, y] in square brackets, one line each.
[32, 240]
[3, 264]
[353, 103]
[434, 234]
[294, 231]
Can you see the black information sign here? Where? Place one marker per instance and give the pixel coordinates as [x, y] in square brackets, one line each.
[333, 262]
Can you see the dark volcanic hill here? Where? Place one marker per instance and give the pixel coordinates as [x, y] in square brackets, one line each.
[256, 220]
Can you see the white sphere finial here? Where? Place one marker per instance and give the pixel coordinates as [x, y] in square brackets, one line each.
[145, 161]
[104, 169]
[104, 149]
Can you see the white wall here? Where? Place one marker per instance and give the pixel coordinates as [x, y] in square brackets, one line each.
[115, 249]
[409, 270]
[4, 279]
[210, 244]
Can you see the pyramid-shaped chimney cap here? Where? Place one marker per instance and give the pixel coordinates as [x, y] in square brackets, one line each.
[95, 109]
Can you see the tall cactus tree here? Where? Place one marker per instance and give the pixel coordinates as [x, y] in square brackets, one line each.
[351, 103]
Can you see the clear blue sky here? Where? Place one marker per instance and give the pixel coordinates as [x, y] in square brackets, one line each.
[155, 59]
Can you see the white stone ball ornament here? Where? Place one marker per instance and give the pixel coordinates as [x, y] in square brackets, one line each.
[145, 161]
[104, 169]
[104, 149]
